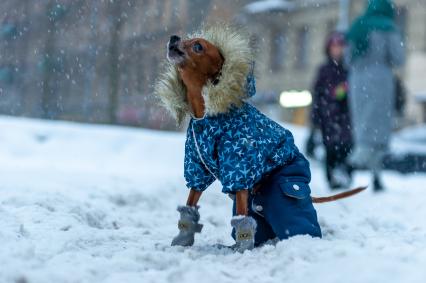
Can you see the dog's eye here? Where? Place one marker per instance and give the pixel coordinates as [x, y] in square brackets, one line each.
[197, 47]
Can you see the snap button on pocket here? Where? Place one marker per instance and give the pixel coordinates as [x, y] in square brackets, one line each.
[296, 187]
[259, 208]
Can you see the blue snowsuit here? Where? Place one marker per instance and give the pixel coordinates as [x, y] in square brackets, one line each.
[239, 146]
[244, 148]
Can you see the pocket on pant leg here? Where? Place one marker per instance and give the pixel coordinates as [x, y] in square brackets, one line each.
[296, 190]
[299, 194]
[299, 216]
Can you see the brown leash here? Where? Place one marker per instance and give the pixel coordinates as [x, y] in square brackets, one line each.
[338, 196]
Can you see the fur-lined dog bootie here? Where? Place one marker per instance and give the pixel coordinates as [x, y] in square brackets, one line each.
[188, 225]
[245, 229]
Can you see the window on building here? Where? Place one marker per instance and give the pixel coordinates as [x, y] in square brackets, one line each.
[278, 50]
[301, 60]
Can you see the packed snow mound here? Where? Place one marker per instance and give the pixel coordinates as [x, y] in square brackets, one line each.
[85, 203]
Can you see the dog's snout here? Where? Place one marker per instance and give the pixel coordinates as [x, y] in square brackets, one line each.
[174, 52]
[174, 39]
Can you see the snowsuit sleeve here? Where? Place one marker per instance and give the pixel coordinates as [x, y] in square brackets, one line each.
[196, 174]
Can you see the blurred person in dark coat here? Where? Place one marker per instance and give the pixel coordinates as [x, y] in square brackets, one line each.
[375, 48]
[330, 112]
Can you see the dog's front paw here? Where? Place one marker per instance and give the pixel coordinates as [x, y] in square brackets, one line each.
[188, 225]
[245, 230]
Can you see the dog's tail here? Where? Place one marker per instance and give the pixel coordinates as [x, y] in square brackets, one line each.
[338, 196]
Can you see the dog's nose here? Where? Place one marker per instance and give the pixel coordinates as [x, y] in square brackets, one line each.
[174, 39]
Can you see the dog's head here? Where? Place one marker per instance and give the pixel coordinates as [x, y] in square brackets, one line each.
[197, 60]
[218, 59]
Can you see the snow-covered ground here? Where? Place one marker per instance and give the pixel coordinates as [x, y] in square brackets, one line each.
[81, 203]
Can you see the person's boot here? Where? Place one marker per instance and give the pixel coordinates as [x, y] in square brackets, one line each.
[245, 229]
[377, 184]
[188, 225]
[349, 171]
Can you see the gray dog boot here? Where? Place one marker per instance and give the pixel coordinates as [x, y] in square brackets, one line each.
[188, 226]
[245, 229]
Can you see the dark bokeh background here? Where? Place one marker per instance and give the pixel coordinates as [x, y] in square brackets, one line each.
[97, 60]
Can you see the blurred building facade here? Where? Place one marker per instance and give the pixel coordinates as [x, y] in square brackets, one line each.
[93, 61]
[87, 60]
[290, 40]
[97, 61]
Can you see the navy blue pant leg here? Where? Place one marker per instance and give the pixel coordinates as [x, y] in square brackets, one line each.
[288, 215]
[285, 204]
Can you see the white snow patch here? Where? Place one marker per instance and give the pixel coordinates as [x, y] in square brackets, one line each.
[83, 203]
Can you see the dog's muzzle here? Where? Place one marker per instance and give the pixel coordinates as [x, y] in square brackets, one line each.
[174, 53]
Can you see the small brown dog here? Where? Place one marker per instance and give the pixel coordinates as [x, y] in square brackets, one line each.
[206, 81]
[199, 61]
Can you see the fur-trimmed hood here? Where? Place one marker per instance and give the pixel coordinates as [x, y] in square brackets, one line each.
[235, 84]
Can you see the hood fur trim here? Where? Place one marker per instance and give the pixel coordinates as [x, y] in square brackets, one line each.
[231, 89]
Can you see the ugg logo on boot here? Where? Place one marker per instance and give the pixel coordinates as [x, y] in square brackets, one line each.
[244, 235]
[184, 225]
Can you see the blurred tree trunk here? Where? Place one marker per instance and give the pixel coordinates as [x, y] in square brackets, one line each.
[117, 22]
[28, 100]
[47, 96]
